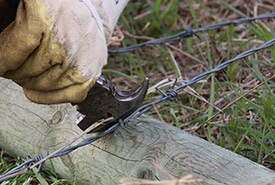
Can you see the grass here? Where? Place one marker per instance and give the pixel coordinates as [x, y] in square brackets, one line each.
[31, 178]
[247, 125]
[243, 116]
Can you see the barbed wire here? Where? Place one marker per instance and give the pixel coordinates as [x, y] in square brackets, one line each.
[172, 93]
[169, 95]
[191, 32]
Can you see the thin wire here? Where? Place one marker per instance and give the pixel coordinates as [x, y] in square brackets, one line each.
[169, 95]
[191, 32]
[172, 93]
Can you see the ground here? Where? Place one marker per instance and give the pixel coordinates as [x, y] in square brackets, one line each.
[233, 108]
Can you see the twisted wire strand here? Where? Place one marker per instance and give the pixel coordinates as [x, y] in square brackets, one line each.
[30, 162]
[172, 93]
[24, 166]
[191, 32]
[169, 95]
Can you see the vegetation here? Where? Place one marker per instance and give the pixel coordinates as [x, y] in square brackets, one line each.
[233, 108]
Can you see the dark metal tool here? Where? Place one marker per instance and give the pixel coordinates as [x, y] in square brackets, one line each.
[105, 100]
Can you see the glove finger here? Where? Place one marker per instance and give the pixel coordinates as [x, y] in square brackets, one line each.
[19, 40]
[59, 79]
[47, 68]
[74, 94]
[47, 55]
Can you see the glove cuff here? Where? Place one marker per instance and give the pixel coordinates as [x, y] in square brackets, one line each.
[109, 12]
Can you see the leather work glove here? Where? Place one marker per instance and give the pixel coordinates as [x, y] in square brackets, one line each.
[55, 49]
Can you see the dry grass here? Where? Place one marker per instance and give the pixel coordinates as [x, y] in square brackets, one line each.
[233, 94]
[233, 108]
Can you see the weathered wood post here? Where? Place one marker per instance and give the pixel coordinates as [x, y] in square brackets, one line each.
[29, 129]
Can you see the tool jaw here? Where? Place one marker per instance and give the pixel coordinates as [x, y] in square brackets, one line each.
[105, 100]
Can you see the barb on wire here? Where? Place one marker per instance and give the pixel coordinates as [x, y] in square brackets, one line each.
[172, 93]
[169, 95]
[24, 167]
[191, 32]
[40, 160]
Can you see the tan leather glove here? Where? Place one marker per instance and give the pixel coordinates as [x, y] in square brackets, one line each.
[55, 49]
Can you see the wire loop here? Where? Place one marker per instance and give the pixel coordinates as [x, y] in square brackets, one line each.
[170, 94]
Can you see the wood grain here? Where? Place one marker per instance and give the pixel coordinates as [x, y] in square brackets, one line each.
[29, 129]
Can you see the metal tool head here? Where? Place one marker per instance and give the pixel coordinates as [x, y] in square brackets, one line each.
[105, 100]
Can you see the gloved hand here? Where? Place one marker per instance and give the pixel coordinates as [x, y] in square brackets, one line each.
[55, 49]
